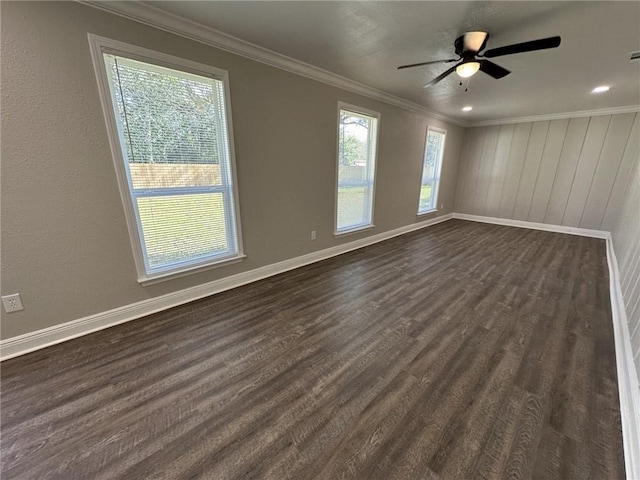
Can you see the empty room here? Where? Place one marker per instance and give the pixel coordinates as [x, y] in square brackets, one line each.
[320, 240]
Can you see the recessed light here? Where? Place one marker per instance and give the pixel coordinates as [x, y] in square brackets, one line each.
[467, 109]
[601, 89]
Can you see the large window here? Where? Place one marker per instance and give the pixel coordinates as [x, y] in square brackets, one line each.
[357, 139]
[433, 151]
[170, 136]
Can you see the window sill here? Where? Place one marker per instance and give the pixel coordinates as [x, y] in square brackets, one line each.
[162, 277]
[353, 230]
[427, 212]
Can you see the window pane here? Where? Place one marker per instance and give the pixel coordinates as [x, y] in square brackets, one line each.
[352, 205]
[356, 165]
[169, 120]
[425, 197]
[182, 226]
[172, 128]
[431, 170]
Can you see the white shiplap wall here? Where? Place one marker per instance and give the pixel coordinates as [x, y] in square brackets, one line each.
[562, 172]
[579, 172]
[626, 242]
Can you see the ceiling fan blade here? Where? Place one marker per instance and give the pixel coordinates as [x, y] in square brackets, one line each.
[493, 70]
[428, 63]
[541, 44]
[441, 76]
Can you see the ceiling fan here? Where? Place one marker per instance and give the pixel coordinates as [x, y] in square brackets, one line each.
[468, 47]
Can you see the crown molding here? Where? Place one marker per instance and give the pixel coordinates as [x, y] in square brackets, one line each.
[169, 22]
[556, 116]
[175, 24]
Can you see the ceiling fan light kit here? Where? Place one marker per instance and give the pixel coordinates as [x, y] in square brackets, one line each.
[468, 69]
[468, 47]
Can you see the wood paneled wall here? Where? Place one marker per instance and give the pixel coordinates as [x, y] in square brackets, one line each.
[563, 172]
[579, 172]
[626, 241]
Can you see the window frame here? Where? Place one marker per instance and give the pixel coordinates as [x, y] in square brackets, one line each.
[438, 177]
[374, 158]
[101, 45]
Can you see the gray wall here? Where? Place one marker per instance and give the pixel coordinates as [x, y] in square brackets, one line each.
[563, 172]
[626, 241]
[65, 245]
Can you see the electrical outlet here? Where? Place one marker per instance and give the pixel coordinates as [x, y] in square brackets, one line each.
[12, 303]
[313, 234]
[442, 206]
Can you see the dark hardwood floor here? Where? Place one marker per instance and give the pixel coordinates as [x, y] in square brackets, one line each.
[462, 351]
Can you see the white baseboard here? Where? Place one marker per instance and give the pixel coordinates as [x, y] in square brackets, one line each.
[29, 342]
[628, 387]
[629, 390]
[583, 232]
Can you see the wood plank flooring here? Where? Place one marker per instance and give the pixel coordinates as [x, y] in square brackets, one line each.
[463, 351]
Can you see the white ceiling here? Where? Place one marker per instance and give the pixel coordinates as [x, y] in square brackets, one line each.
[366, 41]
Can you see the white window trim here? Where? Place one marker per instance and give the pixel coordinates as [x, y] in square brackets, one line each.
[427, 212]
[370, 113]
[438, 173]
[99, 45]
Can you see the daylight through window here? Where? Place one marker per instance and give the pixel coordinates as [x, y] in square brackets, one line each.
[433, 151]
[172, 130]
[357, 138]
